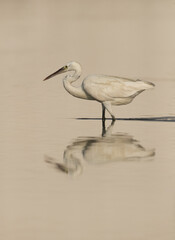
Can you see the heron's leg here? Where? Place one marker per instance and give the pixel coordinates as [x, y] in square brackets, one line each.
[103, 120]
[108, 107]
[103, 112]
[103, 128]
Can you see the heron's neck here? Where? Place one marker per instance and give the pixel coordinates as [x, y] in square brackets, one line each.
[74, 91]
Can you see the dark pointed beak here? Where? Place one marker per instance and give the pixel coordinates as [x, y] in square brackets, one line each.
[61, 70]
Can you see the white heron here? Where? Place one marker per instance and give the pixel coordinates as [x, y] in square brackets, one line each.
[108, 90]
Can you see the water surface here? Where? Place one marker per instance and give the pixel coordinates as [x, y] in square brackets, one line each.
[63, 174]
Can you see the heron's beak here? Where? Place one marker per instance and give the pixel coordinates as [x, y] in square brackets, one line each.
[61, 70]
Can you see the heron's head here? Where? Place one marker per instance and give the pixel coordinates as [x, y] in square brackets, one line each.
[71, 66]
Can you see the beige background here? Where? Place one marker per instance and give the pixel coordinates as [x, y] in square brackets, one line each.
[119, 200]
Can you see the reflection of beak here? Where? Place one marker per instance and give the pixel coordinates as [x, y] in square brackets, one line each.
[61, 70]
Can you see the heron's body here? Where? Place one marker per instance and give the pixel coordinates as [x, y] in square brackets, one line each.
[116, 90]
[108, 90]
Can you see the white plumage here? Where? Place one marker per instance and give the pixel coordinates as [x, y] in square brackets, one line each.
[108, 90]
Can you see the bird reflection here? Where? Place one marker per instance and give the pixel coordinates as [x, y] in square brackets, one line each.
[98, 150]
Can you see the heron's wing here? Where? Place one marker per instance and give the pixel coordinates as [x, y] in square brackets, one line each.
[104, 88]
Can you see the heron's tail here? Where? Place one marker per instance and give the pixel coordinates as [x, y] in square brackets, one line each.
[146, 85]
[150, 84]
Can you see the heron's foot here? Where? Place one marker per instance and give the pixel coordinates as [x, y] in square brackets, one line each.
[113, 118]
[103, 119]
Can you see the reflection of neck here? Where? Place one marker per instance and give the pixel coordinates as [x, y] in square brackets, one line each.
[72, 161]
[74, 91]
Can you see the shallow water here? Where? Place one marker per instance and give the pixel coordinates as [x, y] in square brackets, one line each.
[63, 173]
[70, 182]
